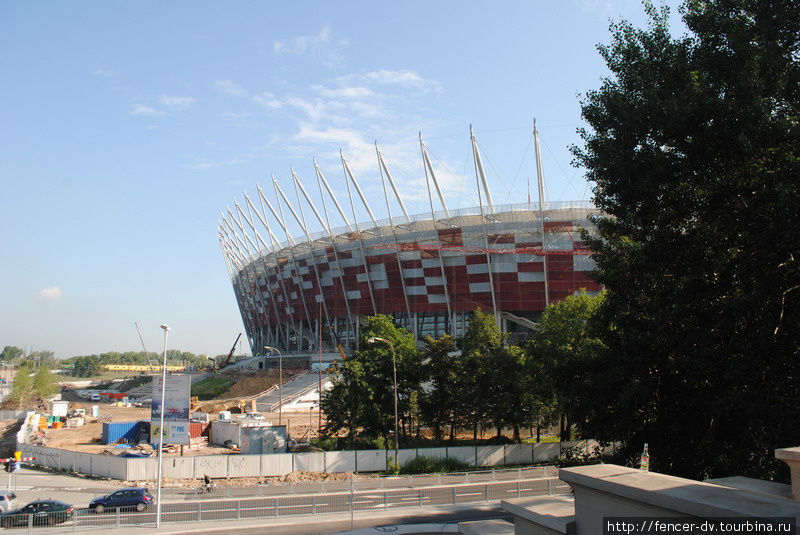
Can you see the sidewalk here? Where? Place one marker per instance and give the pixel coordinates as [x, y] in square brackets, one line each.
[31, 485]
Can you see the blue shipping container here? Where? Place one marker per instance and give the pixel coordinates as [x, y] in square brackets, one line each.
[114, 432]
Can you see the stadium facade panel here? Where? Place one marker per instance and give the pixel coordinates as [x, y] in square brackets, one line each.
[428, 272]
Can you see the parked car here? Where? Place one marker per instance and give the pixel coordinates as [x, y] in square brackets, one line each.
[8, 501]
[43, 512]
[135, 498]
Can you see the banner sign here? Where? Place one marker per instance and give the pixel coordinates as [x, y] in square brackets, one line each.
[176, 409]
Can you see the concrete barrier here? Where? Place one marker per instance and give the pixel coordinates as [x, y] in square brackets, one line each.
[371, 460]
[436, 453]
[309, 462]
[178, 467]
[489, 455]
[543, 453]
[243, 465]
[213, 465]
[519, 453]
[277, 464]
[462, 453]
[141, 469]
[403, 456]
[340, 461]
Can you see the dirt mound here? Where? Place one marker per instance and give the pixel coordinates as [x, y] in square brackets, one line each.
[252, 385]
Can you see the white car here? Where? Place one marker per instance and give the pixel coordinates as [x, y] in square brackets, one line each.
[8, 501]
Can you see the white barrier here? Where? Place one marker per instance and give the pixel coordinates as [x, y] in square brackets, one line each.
[371, 460]
[309, 462]
[340, 461]
[277, 464]
[224, 466]
[489, 456]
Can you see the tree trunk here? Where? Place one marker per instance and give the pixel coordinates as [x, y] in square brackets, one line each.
[516, 433]
[538, 433]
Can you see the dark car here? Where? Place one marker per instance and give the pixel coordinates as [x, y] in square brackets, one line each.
[43, 512]
[130, 499]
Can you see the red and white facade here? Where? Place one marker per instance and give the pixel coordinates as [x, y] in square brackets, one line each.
[427, 271]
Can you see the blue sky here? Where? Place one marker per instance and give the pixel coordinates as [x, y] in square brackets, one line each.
[127, 127]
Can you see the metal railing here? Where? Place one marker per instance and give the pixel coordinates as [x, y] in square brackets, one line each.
[351, 500]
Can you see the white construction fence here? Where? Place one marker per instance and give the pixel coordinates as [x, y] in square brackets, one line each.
[277, 464]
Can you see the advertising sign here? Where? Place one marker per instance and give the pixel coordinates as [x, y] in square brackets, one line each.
[176, 409]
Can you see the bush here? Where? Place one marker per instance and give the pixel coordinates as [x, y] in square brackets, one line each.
[211, 387]
[433, 465]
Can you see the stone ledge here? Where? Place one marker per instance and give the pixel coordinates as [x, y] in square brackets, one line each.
[486, 527]
[750, 484]
[685, 496]
[556, 513]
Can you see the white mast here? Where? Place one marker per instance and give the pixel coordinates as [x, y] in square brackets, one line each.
[479, 170]
[385, 169]
[540, 177]
[429, 171]
[479, 177]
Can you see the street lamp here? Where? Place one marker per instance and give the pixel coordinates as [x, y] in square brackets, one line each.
[166, 329]
[394, 370]
[280, 382]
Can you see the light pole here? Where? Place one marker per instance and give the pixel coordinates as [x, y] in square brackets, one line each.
[280, 382]
[394, 370]
[161, 425]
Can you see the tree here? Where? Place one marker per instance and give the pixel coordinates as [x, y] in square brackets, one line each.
[565, 347]
[87, 366]
[441, 370]
[362, 396]
[22, 391]
[693, 145]
[44, 384]
[11, 354]
[481, 338]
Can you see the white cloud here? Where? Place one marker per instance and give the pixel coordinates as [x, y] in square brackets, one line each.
[403, 78]
[268, 100]
[354, 92]
[230, 88]
[177, 102]
[52, 293]
[322, 46]
[141, 109]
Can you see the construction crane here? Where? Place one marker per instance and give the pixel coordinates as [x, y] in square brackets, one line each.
[230, 354]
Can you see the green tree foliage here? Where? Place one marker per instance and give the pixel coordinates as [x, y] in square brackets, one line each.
[22, 390]
[563, 350]
[362, 397]
[87, 366]
[11, 354]
[44, 383]
[442, 366]
[693, 145]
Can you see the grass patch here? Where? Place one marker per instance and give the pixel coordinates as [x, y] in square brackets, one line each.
[211, 387]
[433, 465]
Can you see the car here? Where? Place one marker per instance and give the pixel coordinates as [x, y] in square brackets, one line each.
[43, 512]
[95, 397]
[8, 501]
[130, 499]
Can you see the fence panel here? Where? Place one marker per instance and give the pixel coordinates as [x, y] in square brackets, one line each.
[309, 462]
[178, 467]
[489, 455]
[213, 465]
[438, 453]
[83, 463]
[462, 453]
[139, 469]
[340, 461]
[543, 453]
[403, 456]
[371, 460]
[519, 453]
[276, 464]
[118, 468]
[244, 465]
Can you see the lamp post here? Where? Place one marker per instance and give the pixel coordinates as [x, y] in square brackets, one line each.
[166, 329]
[280, 382]
[394, 370]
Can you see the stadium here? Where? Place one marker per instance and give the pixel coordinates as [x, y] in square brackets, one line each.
[310, 292]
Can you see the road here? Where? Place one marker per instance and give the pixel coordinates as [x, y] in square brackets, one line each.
[384, 502]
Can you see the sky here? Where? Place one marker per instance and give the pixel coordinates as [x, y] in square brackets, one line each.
[127, 128]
